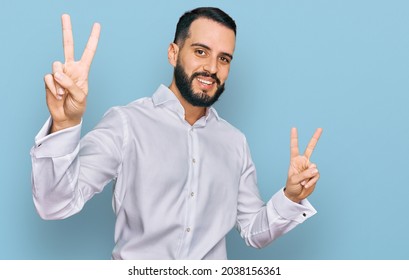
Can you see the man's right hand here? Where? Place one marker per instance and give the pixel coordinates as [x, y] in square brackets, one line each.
[67, 86]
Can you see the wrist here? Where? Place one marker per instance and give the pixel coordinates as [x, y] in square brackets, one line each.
[291, 197]
[57, 126]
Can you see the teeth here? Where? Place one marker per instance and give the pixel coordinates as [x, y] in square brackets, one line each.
[204, 81]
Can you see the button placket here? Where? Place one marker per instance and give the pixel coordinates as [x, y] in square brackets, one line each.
[192, 183]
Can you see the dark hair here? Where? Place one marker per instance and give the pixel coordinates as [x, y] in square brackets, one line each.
[215, 14]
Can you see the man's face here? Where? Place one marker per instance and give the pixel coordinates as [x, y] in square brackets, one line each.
[203, 62]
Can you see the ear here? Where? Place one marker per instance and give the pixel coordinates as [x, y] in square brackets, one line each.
[173, 52]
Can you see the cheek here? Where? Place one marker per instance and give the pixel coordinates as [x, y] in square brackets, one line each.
[190, 66]
[190, 61]
[224, 74]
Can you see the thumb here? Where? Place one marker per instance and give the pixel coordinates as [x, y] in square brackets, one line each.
[66, 82]
[304, 176]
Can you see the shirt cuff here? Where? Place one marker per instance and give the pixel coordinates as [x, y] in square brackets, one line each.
[56, 144]
[287, 209]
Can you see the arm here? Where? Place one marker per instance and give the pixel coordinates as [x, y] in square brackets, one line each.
[259, 224]
[55, 157]
[67, 172]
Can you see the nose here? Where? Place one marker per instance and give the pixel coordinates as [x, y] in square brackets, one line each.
[211, 66]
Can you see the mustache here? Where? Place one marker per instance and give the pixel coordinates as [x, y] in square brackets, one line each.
[206, 74]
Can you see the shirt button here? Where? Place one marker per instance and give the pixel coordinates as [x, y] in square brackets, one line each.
[305, 215]
[192, 194]
[188, 229]
[194, 160]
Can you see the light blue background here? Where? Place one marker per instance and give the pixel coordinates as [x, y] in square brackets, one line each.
[340, 65]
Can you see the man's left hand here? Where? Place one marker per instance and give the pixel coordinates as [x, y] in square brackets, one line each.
[302, 174]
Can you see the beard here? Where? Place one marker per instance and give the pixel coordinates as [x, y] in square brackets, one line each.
[184, 84]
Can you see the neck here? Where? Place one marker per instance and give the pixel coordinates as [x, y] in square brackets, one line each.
[192, 113]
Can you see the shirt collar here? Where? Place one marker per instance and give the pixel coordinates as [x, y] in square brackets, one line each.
[165, 97]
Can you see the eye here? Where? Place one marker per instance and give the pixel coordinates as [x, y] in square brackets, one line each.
[225, 59]
[200, 52]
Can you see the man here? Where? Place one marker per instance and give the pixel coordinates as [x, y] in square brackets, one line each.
[183, 175]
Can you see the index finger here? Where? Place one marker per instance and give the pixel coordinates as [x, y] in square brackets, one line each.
[68, 40]
[92, 44]
[294, 143]
[313, 142]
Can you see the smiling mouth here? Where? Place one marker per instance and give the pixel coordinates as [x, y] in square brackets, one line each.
[205, 82]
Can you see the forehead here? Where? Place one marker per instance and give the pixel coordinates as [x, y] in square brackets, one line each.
[213, 34]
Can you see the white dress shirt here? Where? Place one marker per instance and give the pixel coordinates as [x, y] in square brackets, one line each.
[178, 188]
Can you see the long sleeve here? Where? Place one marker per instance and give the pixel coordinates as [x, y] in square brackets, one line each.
[179, 189]
[258, 223]
[67, 171]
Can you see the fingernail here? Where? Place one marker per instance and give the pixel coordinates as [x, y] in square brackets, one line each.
[314, 171]
[60, 91]
[58, 75]
[303, 183]
[59, 97]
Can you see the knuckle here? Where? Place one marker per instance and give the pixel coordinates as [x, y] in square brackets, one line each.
[56, 64]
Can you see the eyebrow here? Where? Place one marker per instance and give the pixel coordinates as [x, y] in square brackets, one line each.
[208, 48]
